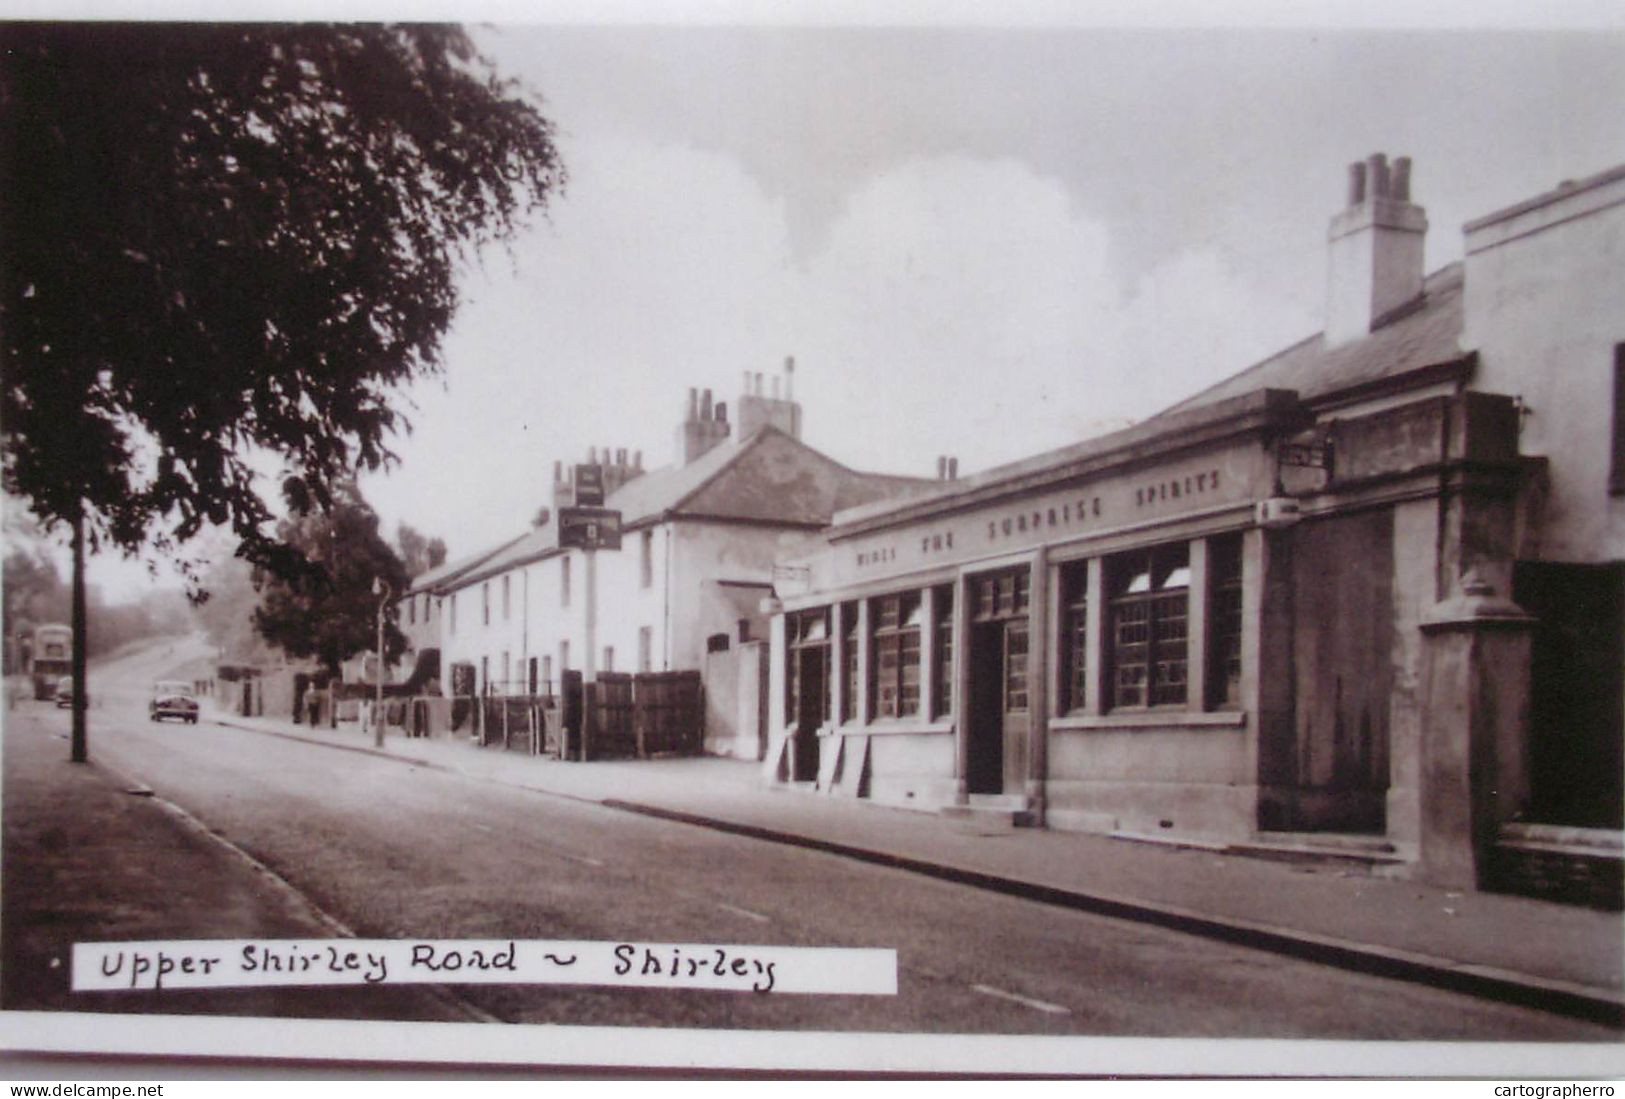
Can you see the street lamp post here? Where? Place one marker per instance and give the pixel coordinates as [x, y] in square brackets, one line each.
[380, 588]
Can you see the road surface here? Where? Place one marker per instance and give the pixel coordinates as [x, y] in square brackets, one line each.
[391, 850]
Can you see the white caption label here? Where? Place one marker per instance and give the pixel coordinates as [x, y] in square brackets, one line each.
[243, 963]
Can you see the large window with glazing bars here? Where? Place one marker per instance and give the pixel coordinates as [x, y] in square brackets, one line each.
[1149, 609]
[807, 641]
[942, 696]
[895, 647]
[851, 669]
[1224, 622]
[1074, 636]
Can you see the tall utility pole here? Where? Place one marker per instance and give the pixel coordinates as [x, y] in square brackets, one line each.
[79, 752]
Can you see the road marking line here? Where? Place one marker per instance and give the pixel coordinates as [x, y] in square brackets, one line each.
[745, 912]
[585, 860]
[1025, 1001]
[482, 827]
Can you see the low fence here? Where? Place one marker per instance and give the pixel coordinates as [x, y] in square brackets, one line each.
[619, 716]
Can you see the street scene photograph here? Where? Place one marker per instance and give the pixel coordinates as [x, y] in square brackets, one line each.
[770, 542]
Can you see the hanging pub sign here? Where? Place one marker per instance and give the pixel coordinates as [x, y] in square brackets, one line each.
[589, 528]
[590, 485]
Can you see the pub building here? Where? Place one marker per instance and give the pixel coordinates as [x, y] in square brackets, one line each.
[1278, 615]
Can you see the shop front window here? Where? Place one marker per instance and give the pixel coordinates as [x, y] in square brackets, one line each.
[943, 640]
[1224, 622]
[1074, 636]
[896, 645]
[852, 679]
[1150, 607]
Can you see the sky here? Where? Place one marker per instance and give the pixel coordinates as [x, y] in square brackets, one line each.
[976, 240]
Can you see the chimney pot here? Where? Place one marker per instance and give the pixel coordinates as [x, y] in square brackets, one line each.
[722, 412]
[942, 467]
[1401, 182]
[1357, 183]
[953, 469]
[1377, 170]
[620, 456]
[693, 404]
[558, 470]
[758, 383]
[705, 404]
[775, 387]
[592, 455]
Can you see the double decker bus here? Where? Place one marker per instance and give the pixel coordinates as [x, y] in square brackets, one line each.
[50, 657]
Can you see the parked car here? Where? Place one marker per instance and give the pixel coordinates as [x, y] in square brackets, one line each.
[64, 692]
[172, 698]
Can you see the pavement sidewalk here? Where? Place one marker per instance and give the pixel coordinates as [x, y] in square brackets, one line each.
[90, 856]
[1537, 953]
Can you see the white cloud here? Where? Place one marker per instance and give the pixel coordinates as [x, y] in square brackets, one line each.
[960, 306]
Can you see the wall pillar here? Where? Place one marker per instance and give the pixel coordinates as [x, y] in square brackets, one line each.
[961, 674]
[1039, 644]
[1475, 724]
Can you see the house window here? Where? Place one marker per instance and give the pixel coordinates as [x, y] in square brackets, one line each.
[564, 581]
[1149, 607]
[505, 598]
[547, 675]
[485, 674]
[942, 701]
[851, 670]
[1074, 636]
[646, 559]
[716, 643]
[506, 686]
[895, 642]
[485, 603]
[1616, 473]
[744, 630]
[532, 669]
[807, 641]
[1224, 622]
[645, 649]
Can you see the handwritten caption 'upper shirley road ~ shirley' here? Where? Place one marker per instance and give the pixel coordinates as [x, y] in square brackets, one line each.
[243, 963]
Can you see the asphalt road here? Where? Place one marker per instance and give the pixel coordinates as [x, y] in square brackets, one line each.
[397, 851]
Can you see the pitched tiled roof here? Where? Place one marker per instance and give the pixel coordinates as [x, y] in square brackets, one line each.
[769, 477]
[446, 572]
[1425, 335]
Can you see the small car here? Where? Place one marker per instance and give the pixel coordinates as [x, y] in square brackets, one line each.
[64, 692]
[172, 698]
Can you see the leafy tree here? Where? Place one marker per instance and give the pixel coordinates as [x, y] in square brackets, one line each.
[418, 553]
[332, 615]
[228, 240]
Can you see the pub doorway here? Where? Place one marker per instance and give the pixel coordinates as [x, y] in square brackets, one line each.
[999, 720]
[808, 686]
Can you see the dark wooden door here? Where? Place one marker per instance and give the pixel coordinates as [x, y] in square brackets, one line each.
[1577, 682]
[999, 722]
[1332, 776]
[814, 662]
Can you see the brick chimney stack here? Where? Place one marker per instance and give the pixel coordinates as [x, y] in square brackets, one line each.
[758, 410]
[704, 427]
[1375, 255]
